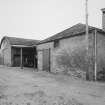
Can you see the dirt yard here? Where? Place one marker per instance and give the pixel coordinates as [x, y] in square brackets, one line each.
[28, 87]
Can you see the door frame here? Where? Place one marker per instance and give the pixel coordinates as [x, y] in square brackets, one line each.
[49, 50]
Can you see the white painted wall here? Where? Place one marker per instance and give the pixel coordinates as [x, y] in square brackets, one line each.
[6, 52]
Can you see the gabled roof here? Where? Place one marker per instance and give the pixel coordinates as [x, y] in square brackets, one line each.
[72, 31]
[20, 41]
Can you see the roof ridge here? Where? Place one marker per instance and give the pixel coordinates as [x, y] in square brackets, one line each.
[20, 41]
[21, 38]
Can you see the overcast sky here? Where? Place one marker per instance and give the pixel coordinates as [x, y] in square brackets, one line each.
[39, 19]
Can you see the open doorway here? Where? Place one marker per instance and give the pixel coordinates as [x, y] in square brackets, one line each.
[28, 57]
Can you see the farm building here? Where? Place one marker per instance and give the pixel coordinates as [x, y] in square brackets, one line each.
[67, 49]
[18, 52]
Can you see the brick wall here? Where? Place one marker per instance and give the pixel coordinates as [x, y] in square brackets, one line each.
[103, 19]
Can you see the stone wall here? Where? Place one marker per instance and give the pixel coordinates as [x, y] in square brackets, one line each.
[70, 45]
[40, 49]
[67, 44]
[100, 51]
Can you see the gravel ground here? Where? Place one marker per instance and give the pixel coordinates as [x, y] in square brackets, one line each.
[29, 87]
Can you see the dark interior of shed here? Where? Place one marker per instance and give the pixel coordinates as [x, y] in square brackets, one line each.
[25, 57]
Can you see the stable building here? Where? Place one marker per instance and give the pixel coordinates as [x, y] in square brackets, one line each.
[69, 41]
[18, 52]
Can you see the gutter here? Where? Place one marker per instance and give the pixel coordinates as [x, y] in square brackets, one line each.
[24, 46]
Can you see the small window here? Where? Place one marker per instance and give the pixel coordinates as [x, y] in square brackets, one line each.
[56, 43]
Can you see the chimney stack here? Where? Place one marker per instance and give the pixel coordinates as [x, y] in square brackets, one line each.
[103, 18]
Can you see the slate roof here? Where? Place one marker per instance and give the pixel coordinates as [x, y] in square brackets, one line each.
[20, 41]
[72, 31]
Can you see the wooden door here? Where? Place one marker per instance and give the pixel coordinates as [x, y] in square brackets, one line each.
[16, 60]
[46, 60]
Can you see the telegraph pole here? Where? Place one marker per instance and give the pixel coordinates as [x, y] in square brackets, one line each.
[87, 39]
